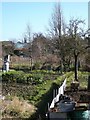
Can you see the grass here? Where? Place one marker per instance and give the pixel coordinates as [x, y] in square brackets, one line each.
[34, 93]
[46, 85]
[39, 95]
[83, 79]
[17, 108]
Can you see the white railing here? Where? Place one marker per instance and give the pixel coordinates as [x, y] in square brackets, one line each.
[60, 91]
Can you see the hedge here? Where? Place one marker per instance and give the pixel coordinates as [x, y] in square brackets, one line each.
[21, 77]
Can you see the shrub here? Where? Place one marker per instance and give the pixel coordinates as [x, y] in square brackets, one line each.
[35, 78]
[21, 77]
[44, 71]
[13, 76]
[36, 66]
[24, 68]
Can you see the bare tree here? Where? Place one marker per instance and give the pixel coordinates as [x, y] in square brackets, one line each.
[29, 33]
[87, 36]
[57, 28]
[29, 40]
[77, 44]
[89, 60]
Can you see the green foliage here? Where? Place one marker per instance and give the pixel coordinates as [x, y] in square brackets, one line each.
[83, 79]
[42, 92]
[34, 78]
[25, 68]
[36, 66]
[44, 71]
[13, 76]
[41, 82]
[21, 77]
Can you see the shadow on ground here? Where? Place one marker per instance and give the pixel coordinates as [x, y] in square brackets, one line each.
[43, 105]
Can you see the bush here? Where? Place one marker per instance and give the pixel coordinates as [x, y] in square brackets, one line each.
[36, 66]
[21, 77]
[24, 68]
[44, 71]
[35, 78]
[38, 78]
[13, 76]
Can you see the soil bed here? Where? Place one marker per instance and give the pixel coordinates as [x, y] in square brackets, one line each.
[81, 95]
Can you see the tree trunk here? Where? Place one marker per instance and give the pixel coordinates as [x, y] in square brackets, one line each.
[88, 62]
[61, 67]
[88, 83]
[88, 69]
[76, 70]
[31, 63]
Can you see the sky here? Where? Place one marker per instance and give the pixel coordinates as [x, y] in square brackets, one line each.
[17, 15]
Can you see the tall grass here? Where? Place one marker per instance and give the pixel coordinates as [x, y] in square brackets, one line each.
[18, 108]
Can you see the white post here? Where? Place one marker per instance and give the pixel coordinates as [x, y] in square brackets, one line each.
[6, 63]
[7, 66]
[8, 59]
